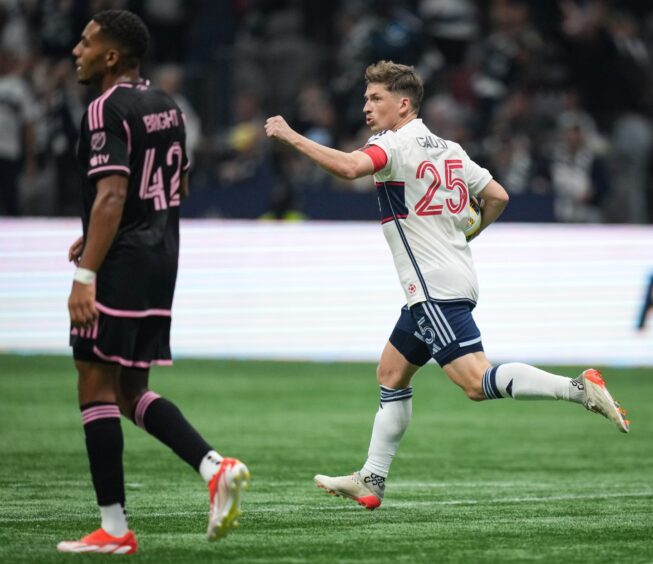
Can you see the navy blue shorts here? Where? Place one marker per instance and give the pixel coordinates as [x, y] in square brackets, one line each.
[440, 330]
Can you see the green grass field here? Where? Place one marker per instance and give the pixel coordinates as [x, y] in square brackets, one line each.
[500, 481]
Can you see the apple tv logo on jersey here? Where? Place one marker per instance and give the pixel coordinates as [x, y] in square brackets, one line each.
[97, 160]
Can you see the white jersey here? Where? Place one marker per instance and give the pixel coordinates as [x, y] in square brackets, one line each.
[424, 192]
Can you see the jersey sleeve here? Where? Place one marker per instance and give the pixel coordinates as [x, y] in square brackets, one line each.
[385, 142]
[185, 161]
[477, 176]
[108, 138]
[378, 156]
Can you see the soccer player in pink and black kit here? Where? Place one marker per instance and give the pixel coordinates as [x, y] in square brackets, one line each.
[424, 184]
[132, 153]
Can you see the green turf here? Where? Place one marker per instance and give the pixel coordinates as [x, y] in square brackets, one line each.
[500, 481]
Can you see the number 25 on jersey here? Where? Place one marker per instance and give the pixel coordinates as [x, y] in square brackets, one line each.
[455, 203]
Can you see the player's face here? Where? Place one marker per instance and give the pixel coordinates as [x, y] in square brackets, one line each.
[90, 54]
[382, 107]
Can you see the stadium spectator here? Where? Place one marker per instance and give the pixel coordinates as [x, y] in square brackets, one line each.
[56, 24]
[60, 100]
[370, 31]
[514, 143]
[424, 227]
[578, 173]
[449, 27]
[18, 114]
[631, 197]
[169, 23]
[507, 56]
[15, 30]
[170, 78]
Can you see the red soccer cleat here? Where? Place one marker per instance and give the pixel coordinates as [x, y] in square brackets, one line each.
[598, 399]
[351, 486]
[102, 542]
[225, 491]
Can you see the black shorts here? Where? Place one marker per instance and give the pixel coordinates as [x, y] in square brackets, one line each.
[131, 341]
[440, 330]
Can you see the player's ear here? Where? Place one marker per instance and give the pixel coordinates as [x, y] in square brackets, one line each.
[404, 104]
[112, 58]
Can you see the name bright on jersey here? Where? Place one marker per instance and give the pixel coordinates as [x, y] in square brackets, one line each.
[161, 120]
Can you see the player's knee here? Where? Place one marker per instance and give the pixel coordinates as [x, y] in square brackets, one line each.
[126, 407]
[386, 376]
[380, 375]
[127, 400]
[474, 393]
[95, 383]
[473, 390]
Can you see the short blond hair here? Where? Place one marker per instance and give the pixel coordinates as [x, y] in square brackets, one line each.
[401, 79]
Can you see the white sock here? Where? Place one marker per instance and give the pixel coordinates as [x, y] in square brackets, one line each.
[114, 520]
[390, 424]
[524, 382]
[209, 465]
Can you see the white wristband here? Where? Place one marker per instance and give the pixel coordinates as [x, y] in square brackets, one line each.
[84, 276]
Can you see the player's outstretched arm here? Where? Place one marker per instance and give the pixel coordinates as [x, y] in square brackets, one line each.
[495, 200]
[348, 166]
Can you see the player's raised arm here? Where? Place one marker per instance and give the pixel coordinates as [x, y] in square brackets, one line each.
[343, 165]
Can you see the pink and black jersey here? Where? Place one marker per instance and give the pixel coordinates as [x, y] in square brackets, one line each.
[138, 132]
[423, 184]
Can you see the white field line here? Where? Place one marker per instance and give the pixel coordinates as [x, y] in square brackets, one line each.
[387, 505]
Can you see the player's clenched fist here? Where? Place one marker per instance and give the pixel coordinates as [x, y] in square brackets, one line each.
[277, 128]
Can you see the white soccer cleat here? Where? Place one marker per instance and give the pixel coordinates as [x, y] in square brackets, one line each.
[598, 399]
[225, 492]
[101, 542]
[351, 486]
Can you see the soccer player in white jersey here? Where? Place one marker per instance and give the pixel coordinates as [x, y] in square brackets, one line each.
[424, 184]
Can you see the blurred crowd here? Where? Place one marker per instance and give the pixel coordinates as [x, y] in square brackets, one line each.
[554, 97]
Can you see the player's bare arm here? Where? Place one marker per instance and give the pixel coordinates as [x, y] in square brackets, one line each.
[75, 250]
[183, 187]
[348, 166]
[495, 199]
[103, 226]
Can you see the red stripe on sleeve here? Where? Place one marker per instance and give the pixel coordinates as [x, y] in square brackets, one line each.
[378, 156]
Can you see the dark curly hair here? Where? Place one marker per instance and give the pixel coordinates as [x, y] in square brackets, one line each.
[128, 31]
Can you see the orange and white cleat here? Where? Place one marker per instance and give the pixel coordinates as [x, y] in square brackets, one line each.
[598, 399]
[102, 542]
[225, 491]
[351, 486]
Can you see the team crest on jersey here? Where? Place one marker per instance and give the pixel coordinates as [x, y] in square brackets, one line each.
[98, 140]
[412, 289]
